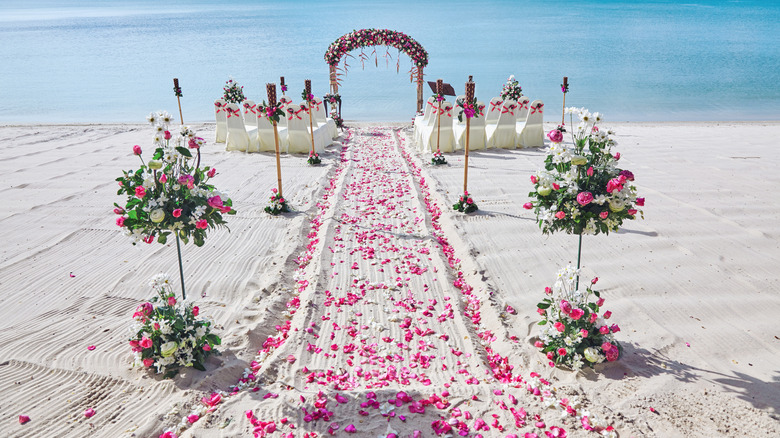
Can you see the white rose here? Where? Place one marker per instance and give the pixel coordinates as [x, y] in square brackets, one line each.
[616, 205]
[167, 349]
[592, 355]
[157, 215]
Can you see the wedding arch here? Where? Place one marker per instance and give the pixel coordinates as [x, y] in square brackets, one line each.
[359, 39]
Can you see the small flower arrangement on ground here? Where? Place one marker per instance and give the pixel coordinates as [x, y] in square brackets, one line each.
[233, 93]
[438, 159]
[314, 159]
[465, 204]
[581, 189]
[574, 333]
[170, 193]
[278, 205]
[168, 335]
[512, 89]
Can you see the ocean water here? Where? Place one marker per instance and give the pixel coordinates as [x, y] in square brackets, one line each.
[113, 61]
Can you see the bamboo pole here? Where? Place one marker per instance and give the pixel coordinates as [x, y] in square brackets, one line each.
[177, 91]
[564, 87]
[307, 89]
[469, 99]
[271, 91]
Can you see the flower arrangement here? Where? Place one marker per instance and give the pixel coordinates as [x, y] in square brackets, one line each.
[511, 90]
[314, 159]
[168, 335]
[581, 189]
[271, 112]
[469, 109]
[372, 37]
[465, 204]
[573, 327]
[336, 118]
[233, 93]
[308, 97]
[170, 193]
[332, 99]
[277, 205]
[438, 158]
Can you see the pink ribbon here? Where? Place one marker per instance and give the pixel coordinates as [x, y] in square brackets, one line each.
[249, 108]
[480, 111]
[218, 105]
[538, 107]
[508, 109]
[296, 114]
[449, 111]
[494, 105]
[523, 105]
[231, 112]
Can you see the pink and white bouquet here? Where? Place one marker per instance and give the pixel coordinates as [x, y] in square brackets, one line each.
[277, 204]
[334, 114]
[232, 92]
[582, 189]
[574, 330]
[438, 159]
[272, 113]
[170, 193]
[314, 158]
[512, 89]
[469, 109]
[372, 37]
[168, 335]
[465, 204]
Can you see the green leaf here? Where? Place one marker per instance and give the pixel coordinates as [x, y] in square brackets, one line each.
[163, 238]
[198, 366]
[544, 322]
[184, 151]
[543, 305]
[133, 214]
[198, 239]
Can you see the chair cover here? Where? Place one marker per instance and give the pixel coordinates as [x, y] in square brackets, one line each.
[219, 111]
[423, 120]
[522, 110]
[321, 119]
[430, 132]
[265, 133]
[297, 136]
[503, 134]
[532, 133]
[476, 131]
[250, 113]
[239, 138]
[493, 111]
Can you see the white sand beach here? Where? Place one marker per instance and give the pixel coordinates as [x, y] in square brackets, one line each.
[693, 285]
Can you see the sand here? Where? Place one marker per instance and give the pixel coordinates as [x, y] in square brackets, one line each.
[693, 286]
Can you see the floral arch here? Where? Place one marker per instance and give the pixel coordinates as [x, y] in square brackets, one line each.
[359, 39]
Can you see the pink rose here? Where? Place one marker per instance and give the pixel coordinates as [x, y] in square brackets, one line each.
[528, 206]
[560, 327]
[171, 301]
[156, 326]
[615, 184]
[145, 342]
[604, 330]
[548, 290]
[550, 355]
[604, 214]
[607, 314]
[617, 156]
[640, 202]
[539, 344]
[148, 362]
[149, 239]
[163, 178]
[590, 171]
[202, 224]
[593, 318]
[614, 328]
[584, 198]
[206, 347]
[584, 333]
[556, 186]
[561, 352]
[167, 135]
[137, 150]
[565, 307]
[540, 311]
[140, 192]
[595, 280]
[606, 346]
[134, 344]
[195, 311]
[215, 201]
[176, 212]
[600, 302]
[631, 212]
[555, 136]
[120, 221]
[560, 215]
[534, 180]
[612, 354]
[576, 314]
[119, 210]
[212, 172]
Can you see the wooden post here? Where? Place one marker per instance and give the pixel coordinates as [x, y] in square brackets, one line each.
[419, 88]
[177, 91]
[439, 91]
[271, 90]
[281, 83]
[307, 89]
[564, 87]
[469, 99]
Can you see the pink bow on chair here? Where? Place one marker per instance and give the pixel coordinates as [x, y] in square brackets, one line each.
[231, 112]
[523, 105]
[296, 113]
[494, 105]
[449, 111]
[249, 108]
[538, 107]
[481, 110]
[218, 105]
[508, 109]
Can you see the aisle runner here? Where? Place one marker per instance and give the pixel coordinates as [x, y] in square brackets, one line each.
[385, 336]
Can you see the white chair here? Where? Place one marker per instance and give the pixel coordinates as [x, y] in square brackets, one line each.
[476, 131]
[250, 113]
[265, 134]
[532, 132]
[503, 134]
[219, 111]
[421, 121]
[239, 138]
[297, 137]
[522, 110]
[322, 120]
[493, 111]
[430, 133]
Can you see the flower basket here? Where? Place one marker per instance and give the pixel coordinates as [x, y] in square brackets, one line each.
[465, 204]
[314, 159]
[438, 159]
[277, 205]
[511, 90]
[232, 92]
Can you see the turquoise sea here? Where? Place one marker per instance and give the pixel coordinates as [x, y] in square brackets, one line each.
[113, 61]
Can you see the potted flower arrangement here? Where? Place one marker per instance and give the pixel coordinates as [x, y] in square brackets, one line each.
[168, 335]
[314, 158]
[574, 330]
[171, 193]
[465, 204]
[438, 159]
[233, 93]
[277, 204]
[511, 90]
